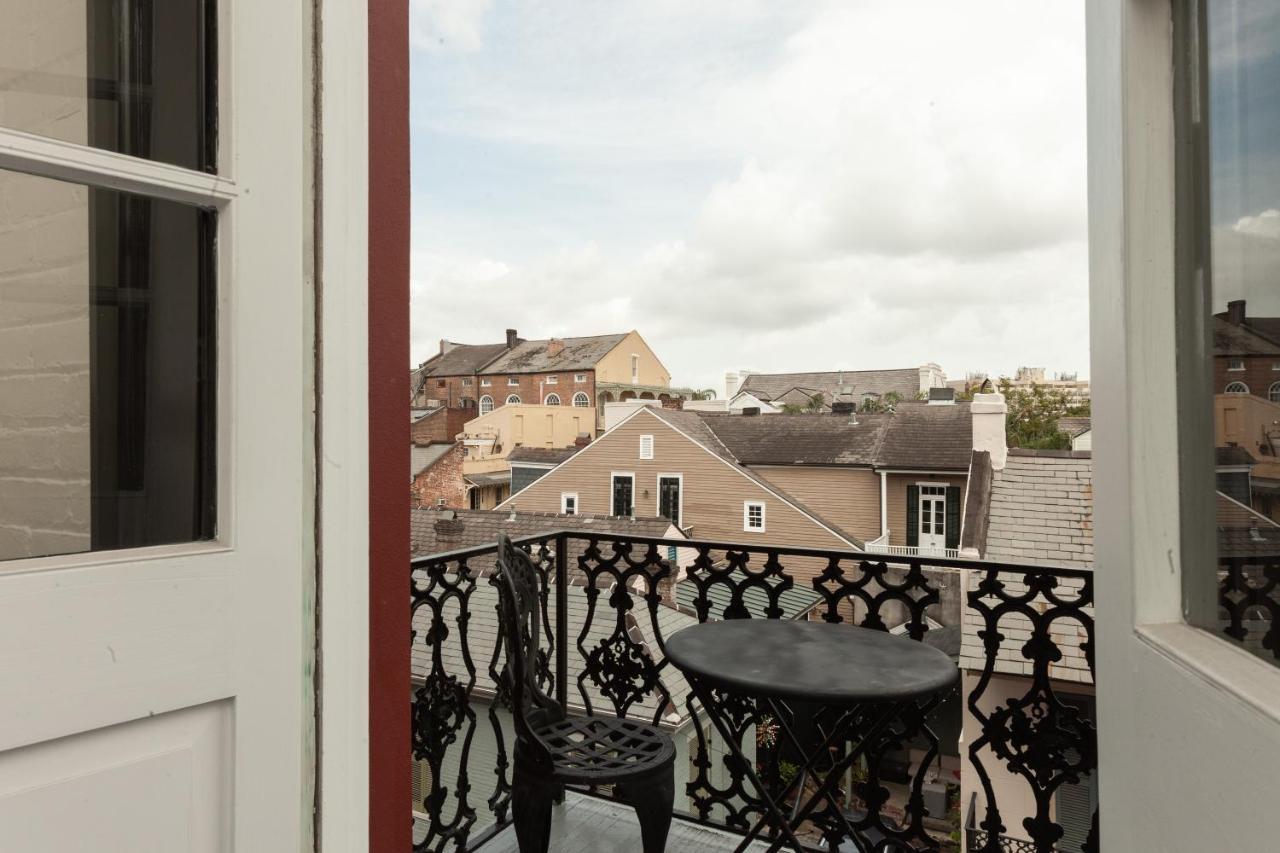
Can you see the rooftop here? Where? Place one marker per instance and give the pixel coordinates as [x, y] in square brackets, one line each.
[903, 381]
[471, 528]
[534, 356]
[541, 455]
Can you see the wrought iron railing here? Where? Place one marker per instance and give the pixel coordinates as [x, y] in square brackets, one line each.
[608, 602]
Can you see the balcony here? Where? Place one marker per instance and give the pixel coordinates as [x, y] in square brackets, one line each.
[1012, 746]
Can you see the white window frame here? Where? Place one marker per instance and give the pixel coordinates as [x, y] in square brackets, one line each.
[1273, 392]
[747, 506]
[1238, 386]
[486, 383]
[513, 382]
[584, 397]
[467, 381]
[931, 484]
[647, 447]
[512, 400]
[565, 497]
[1149, 657]
[657, 495]
[1237, 364]
[483, 409]
[579, 377]
[553, 380]
[616, 475]
[547, 400]
[635, 368]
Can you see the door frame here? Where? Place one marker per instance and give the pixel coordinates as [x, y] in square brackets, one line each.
[614, 476]
[920, 499]
[1159, 679]
[657, 503]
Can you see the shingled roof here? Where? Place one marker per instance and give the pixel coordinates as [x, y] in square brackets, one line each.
[903, 381]
[476, 527]
[915, 436]
[525, 357]
[541, 455]
[461, 360]
[1257, 336]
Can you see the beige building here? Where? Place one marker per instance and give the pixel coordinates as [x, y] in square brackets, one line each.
[489, 439]
[1076, 389]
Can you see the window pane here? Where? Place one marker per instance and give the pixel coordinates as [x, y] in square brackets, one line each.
[1239, 246]
[133, 76]
[106, 369]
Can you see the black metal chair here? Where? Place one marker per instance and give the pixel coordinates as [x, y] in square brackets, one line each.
[553, 749]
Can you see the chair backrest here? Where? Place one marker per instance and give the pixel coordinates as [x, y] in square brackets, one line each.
[518, 591]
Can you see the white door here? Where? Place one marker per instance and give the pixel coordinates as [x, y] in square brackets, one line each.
[1179, 163]
[156, 473]
[933, 518]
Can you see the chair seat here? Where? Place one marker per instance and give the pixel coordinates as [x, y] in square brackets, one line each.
[604, 750]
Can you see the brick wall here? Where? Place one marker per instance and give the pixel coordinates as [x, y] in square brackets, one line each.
[440, 426]
[441, 480]
[529, 387]
[1257, 374]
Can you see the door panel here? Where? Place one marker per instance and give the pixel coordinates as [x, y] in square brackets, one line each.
[155, 696]
[161, 783]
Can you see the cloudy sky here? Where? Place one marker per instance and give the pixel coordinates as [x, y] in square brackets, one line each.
[755, 184]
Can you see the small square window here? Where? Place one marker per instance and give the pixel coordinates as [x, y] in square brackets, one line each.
[553, 380]
[440, 383]
[646, 447]
[580, 377]
[569, 503]
[467, 382]
[512, 380]
[1235, 364]
[753, 517]
[485, 383]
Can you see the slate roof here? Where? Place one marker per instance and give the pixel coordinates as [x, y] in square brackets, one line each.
[482, 639]
[1041, 509]
[904, 381]
[578, 354]
[1257, 336]
[542, 455]
[1075, 426]
[491, 478]
[915, 436]
[482, 526]
[1233, 456]
[462, 360]
[423, 457]
[1243, 532]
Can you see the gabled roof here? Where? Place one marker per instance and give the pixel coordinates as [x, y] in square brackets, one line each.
[535, 357]
[1256, 336]
[903, 381]
[423, 457]
[916, 436]
[461, 360]
[1233, 456]
[1075, 426]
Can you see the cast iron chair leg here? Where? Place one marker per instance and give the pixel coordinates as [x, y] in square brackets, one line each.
[531, 811]
[653, 799]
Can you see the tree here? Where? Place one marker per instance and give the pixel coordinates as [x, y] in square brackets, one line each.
[887, 403]
[815, 404]
[1033, 413]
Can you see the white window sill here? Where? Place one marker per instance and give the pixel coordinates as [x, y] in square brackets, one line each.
[1218, 662]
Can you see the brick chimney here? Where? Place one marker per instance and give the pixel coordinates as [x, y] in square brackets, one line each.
[555, 346]
[988, 412]
[1235, 312]
[583, 439]
[512, 339]
[448, 526]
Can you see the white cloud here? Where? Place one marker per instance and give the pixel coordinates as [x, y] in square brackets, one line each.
[874, 184]
[448, 25]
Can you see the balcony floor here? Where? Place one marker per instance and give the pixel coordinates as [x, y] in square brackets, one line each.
[590, 825]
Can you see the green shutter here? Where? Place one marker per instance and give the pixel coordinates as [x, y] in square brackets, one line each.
[913, 516]
[953, 516]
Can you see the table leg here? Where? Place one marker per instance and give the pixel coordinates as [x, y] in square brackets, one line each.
[726, 732]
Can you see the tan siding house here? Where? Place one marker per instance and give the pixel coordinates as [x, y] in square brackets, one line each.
[849, 497]
[713, 490]
[896, 498]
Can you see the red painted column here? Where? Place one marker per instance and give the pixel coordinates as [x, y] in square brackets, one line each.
[389, 735]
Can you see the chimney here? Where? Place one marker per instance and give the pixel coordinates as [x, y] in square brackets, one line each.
[988, 413]
[555, 346]
[512, 339]
[732, 382]
[1235, 312]
[583, 439]
[942, 396]
[447, 346]
[448, 526]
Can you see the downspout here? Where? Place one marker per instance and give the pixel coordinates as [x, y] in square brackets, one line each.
[884, 506]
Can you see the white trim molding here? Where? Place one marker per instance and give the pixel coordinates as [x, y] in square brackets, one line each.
[747, 507]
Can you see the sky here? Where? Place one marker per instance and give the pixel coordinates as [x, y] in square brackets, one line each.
[753, 184]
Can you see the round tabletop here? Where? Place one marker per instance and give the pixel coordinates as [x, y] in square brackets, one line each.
[814, 661]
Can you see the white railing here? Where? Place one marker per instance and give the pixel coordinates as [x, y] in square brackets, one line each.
[878, 546]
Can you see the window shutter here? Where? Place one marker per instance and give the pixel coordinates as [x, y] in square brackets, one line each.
[953, 516]
[913, 516]
[1074, 806]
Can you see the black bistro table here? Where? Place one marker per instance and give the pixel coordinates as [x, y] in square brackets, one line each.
[854, 671]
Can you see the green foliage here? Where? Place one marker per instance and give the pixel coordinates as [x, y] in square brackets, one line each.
[787, 771]
[816, 404]
[887, 403]
[1032, 421]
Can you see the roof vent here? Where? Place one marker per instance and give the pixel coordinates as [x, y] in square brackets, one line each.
[448, 525]
[942, 396]
[751, 411]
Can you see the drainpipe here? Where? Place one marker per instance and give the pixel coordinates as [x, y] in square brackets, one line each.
[884, 505]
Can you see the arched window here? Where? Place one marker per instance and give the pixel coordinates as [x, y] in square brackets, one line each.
[582, 401]
[1273, 393]
[486, 404]
[552, 400]
[1237, 388]
[513, 399]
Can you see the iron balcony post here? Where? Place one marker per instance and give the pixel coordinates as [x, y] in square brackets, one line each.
[562, 620]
